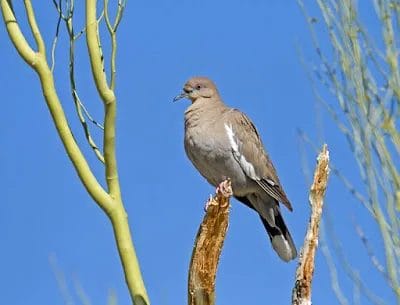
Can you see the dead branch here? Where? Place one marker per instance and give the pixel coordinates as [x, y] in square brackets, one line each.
[301, 294]
[207, 248]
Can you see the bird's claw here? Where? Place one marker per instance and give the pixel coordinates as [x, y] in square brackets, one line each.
[224, 188]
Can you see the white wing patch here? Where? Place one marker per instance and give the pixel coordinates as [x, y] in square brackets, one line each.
[231, 137]
[246, 166]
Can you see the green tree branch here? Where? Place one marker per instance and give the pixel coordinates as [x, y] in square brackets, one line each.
[110, 201]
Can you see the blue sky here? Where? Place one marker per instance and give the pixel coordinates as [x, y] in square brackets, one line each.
[249, 49]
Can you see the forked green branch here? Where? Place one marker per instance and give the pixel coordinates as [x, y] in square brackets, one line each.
[110, 201]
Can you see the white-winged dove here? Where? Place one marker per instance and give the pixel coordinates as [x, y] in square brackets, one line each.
[223, 143]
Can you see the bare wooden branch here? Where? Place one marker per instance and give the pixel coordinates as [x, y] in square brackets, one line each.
[301, 294]
[207, 249]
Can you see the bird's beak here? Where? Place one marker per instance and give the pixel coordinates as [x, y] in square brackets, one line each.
[181, 96]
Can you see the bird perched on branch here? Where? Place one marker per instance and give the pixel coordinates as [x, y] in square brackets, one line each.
[223, 143]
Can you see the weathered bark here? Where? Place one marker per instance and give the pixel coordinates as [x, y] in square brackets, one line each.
[301, 294]
[207, 248]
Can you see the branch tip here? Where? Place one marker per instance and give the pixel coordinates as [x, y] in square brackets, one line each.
[301, 294]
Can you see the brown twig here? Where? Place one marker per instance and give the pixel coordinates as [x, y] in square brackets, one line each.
[301, 294]
[207, 249]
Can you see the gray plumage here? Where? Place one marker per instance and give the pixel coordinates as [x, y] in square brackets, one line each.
[223, 143]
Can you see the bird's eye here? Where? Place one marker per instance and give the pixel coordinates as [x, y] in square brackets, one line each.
[198, 87]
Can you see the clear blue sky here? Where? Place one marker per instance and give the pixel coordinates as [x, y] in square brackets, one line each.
[249, 49]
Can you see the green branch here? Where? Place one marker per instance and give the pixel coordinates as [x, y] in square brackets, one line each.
[118, 215]
[110, 201]
[38, 62]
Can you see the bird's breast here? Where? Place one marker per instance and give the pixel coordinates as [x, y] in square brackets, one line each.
[209, 150]
[200, 140]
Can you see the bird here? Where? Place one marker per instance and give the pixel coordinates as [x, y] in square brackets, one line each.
[222, 142]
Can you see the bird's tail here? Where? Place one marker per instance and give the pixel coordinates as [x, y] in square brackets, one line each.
[278, 233]
[280, 237]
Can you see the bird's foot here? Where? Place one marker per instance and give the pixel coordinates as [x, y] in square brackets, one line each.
[224, 188]
[222, 194]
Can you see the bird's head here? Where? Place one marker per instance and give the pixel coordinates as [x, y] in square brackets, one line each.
[198, 87]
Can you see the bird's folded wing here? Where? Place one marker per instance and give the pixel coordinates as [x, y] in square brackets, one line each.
[249, 152]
